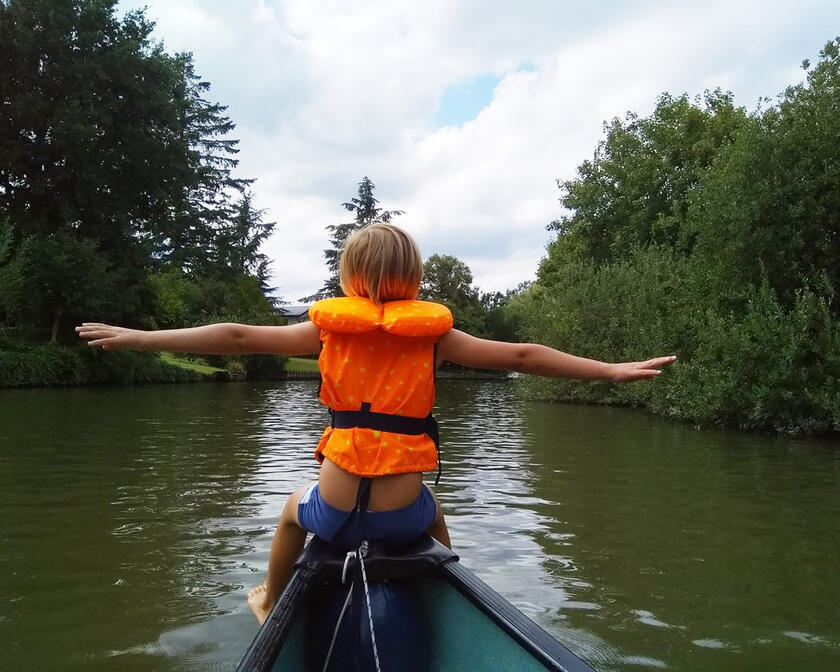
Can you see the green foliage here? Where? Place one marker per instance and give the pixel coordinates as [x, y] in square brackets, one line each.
[240, 300]
[771, 205]
[87, 123]
[182, 300]
[131, 368]
[714, 235]
[265, 367]
[41, 365]
[205, 214]
[236, 244]
[616, 312]
[23, 365]
[6, 240]
[173, 293]
[635, 190]
[114, 166]
[499, 318]
[772, 367]
[768, 367]
[448, 280]
[63, 276]
[11, 278]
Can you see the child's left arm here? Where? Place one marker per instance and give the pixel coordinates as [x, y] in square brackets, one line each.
[461, 348]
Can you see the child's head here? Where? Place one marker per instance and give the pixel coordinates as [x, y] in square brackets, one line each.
[381, 262]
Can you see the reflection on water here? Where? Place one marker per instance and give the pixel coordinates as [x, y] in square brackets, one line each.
[135, 520]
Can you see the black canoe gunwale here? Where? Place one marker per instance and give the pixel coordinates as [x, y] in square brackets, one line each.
[319, 563]
[272, 635]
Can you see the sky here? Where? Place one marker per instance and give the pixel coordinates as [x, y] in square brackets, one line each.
[464, 113]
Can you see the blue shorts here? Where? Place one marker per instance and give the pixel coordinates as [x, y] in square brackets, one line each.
[397, 526]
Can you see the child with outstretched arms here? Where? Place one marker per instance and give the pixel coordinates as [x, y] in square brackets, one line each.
[378, 348]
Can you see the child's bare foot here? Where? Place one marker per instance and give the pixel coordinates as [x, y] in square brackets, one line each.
[257, 601]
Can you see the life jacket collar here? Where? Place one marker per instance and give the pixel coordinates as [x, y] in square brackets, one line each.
[357, 314]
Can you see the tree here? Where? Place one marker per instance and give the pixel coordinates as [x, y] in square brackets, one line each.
[449, 280]
[11, 284]
[235, 247]
[87, 124]
[205, 205]
[85, 135]
[636, 189]
[63, 276]
[109, 143]
[502, 322]
[770, 206]
[183, 300]
[364, 206]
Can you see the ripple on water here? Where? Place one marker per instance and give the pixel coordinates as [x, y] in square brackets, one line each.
[710, 643]
[643, 661]
[647, 618]
[807, 638]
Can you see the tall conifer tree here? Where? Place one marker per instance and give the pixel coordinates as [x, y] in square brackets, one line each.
[364, 207]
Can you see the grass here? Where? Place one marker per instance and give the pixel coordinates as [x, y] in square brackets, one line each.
[293, 364]
[301, 364]
[174, 360]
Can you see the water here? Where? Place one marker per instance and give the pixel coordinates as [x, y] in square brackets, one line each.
[133, 521]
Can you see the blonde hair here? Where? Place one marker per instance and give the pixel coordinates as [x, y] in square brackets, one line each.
[381, 262]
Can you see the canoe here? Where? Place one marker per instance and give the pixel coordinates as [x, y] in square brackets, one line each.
[409, 609]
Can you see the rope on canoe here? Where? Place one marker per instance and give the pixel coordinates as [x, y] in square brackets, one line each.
[338, 622]
[360, 555]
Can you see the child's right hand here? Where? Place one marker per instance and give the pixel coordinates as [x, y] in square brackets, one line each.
[109, 337]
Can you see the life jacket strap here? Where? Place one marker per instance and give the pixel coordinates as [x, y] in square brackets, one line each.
[388, 422]
[383, 422]
[359, 510]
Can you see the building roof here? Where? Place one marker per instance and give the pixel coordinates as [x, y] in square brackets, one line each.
[295, 310]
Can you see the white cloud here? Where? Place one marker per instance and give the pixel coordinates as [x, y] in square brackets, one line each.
[325, 92]
[185, 26]
[263, 13]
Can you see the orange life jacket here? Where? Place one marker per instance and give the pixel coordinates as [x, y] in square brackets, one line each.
[378, 380]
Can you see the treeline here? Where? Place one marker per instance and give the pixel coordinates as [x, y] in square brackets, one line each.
[714, 234]
[118, 201]
[446, 278]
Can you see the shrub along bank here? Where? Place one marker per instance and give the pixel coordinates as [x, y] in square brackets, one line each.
[54, 365]
[713, 234]
[26, 365]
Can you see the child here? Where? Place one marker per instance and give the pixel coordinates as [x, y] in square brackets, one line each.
[378, 350]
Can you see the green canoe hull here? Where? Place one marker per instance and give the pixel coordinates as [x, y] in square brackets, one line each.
[466, 625]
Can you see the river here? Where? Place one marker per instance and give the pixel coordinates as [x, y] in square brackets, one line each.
[134, 520]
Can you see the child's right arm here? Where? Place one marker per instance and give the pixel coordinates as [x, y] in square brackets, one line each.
[461, 348]
[211, 339]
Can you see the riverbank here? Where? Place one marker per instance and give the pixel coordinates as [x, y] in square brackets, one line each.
[50, 365]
